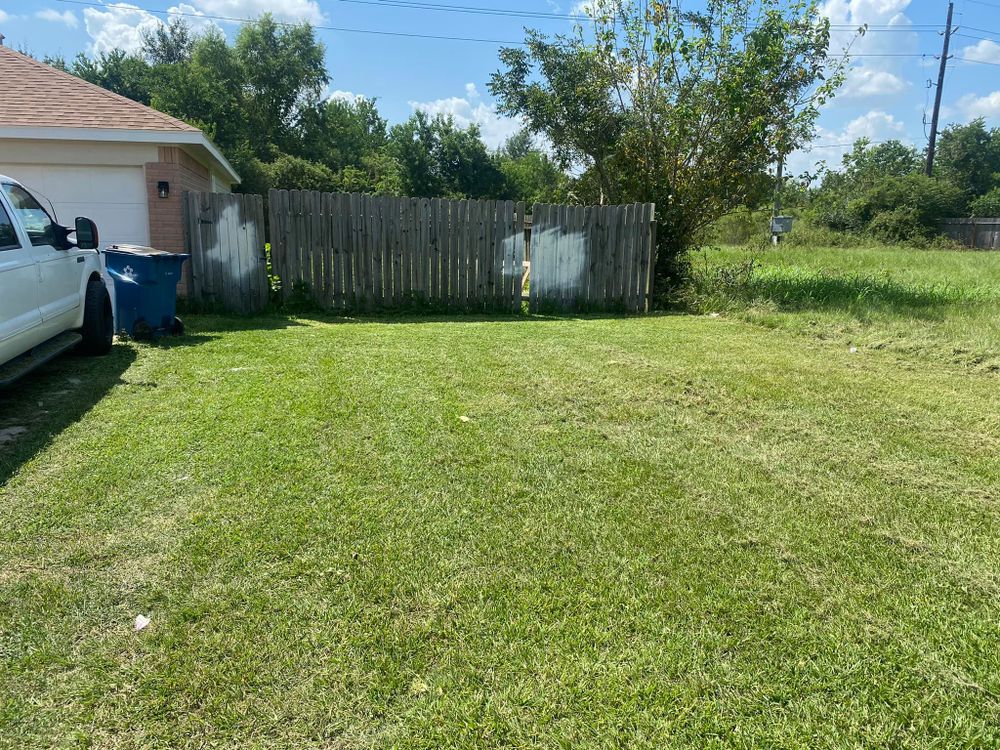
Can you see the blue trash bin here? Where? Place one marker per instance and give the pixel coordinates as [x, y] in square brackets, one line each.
[145, 289]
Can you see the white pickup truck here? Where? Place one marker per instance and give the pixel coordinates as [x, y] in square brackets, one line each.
[53, 291]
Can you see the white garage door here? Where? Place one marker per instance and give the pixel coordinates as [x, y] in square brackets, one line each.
[114, 197]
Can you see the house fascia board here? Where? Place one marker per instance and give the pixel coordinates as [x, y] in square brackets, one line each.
[122, 135]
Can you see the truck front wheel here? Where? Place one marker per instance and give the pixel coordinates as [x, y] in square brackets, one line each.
[98, 320]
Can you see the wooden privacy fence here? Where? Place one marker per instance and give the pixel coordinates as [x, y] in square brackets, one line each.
[225, 235]
[980, 234]
[355, 251]
[368, 252]
[591, 257]
[364, 252]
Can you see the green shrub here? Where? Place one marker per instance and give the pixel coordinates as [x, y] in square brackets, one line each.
[898, 225]
[292, 173]
[740, 227]
[986, 205]
[808, 232]
[928, 199]
[831, 210]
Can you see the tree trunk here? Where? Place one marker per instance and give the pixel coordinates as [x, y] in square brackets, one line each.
[672, 263]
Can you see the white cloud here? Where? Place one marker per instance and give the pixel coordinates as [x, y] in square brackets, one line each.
[983, 51]
[875, 125]
[282, 10]
[67, 17]
[495, 128]
[863, 83]
[980, 106]
[874, 76]
[852, 14]
[830, 145]
[4, 16]
[345, 96]
[121, 25]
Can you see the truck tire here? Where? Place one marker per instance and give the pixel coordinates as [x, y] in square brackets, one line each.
[98, 320]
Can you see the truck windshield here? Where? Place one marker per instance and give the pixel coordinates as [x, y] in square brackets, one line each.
[39, 225]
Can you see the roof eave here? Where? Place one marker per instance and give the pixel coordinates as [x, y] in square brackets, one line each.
[122, 135]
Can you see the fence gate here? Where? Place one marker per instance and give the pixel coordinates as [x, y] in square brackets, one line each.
[225, 235]
[591, 257]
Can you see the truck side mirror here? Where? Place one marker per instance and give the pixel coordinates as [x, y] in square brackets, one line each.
[86, 234]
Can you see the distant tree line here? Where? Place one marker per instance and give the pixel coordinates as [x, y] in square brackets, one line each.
[260, 99]
[882, 191]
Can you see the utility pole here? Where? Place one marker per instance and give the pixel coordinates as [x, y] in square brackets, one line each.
[778, 185]
[937, 94]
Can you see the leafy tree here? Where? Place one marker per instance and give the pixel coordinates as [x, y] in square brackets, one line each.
[969, 156]
[437, 158]
[379, 174]
[259, 100]
[531, 175]
[986, 205]
[866, 164]
[342, 133]
[519, 145]
[919, 199]
[282, 74]
[168, 44]
[57, 62]
[292, 173]
[866, 167]
[207, 90]
[684, 108]
[117, 71]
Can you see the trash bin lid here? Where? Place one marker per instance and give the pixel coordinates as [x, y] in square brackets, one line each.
[136, 250]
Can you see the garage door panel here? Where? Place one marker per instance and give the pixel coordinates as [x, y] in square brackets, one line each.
[114, 197]
[115, 223]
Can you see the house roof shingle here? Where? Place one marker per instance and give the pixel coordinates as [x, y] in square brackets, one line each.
[41, 96]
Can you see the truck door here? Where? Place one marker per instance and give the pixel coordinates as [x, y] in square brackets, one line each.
[18, 290]
[59, 270]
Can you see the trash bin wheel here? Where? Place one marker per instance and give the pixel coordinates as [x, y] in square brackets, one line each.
[98, 320]
[142, 331]
[177, 329]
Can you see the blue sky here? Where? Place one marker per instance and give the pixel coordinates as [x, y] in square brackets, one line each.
[885, 96]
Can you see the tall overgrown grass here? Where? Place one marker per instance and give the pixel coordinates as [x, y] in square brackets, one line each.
[744, 227]
[943, 303]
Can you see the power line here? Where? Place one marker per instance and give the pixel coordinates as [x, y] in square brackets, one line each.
[471, 9]
[980, 2]
[975, 62]
[970, 36]
[378, 32]
[438, 37]
[504, 12]
[982, 31]
[839, 145]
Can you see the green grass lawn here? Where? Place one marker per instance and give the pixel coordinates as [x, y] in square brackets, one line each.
[669, 531]
[938, 304]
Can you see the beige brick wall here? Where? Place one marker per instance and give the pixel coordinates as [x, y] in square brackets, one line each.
[166, 215]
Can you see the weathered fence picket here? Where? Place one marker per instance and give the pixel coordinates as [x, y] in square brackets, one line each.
[225, 235]
[979, 234]
[591, 257]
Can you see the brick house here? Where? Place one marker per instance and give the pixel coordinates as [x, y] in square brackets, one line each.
[93, 153]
